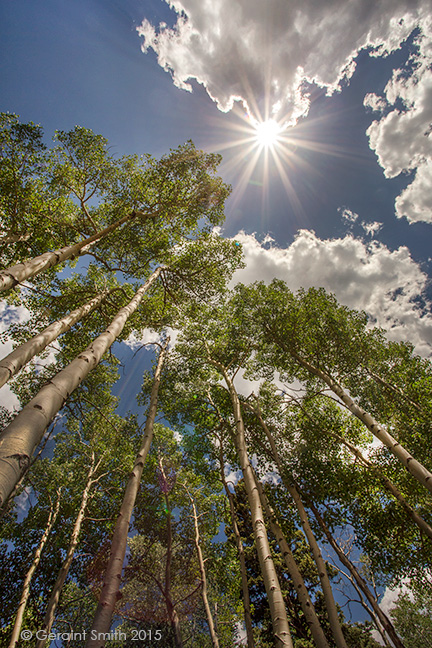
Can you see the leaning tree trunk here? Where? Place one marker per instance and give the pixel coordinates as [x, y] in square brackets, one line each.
[26, 586]
[13, 275]
[242, 559]
[210, 621]
[19, 439]
[64, 571]
[412, 465]
[271, 582]
[330, 604]
[388, 485]
[293, 570]
[112, 577]
[383, 618]
[12, 363]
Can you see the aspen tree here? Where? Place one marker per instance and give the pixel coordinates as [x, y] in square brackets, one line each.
[240, 550]
[383, 618]
[320, 563]
[91, 480]
[271, 581]
[209, 616]
[12, 363]
[19, 439]
[112, 577]
[36, 560]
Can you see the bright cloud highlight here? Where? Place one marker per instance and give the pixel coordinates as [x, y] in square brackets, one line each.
[251, 51]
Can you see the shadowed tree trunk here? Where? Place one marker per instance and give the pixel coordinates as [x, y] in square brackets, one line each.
[383, 618]
[112, 577]
[64, 571]
[319, 561]
[19, 439]
[299, 585]
[242, 560]
[26, 586]
[210, 622]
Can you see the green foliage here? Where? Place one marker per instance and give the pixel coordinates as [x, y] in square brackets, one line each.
[412, 613]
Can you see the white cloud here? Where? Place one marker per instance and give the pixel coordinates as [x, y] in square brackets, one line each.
[364, 276]
[10, 315]
[150, 336]
[347, 214]
[371, 228]
[402, 137]
[374, 102]
[250, 50]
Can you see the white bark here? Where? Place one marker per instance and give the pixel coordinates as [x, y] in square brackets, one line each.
[299, 585]
[14, 275]
[64, 571]
[412, 465]
[271, 582]
[112, 577]
[36, 560]
[20, 438]
[12, 363]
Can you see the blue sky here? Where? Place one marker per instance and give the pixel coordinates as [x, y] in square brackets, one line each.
[350, 208]
[64, 63]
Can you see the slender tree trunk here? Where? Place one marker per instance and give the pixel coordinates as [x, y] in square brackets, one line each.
[172, 612]
[294, 572]
[64, 571]
[412, 465]
[210, 622]
[36, 559]
[330, 604]
[271, 582]
[322, 572]
[112, 577]
[19, 439]
[242, 559]
[12, 363]
[14, 275]
[389, 486]
[383, 618]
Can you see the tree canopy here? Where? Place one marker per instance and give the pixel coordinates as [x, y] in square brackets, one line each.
[272, 468]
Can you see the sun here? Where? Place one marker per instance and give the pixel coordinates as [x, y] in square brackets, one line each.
[267, 133]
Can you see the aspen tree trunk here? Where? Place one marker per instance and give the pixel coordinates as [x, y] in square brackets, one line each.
[19, 439]
[299, 585]
[322, 572]
[319, 561]
[12, 363]
[172, 612]
[383, 618]
[242, 559]
[412, 465]
[271, 582]
[13, 275]
[26, 586]
[112, 577]
[389, 486]
[210, 622]
[64, 571]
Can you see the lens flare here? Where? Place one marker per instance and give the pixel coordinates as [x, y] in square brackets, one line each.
[267, 133]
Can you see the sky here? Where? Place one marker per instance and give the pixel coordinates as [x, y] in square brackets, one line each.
[342, 200]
